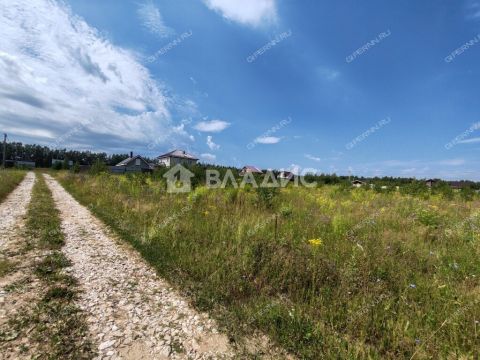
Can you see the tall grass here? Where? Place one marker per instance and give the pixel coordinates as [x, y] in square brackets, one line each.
[9, 179]
[326, 272]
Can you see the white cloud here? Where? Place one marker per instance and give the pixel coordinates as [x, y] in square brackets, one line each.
[58, 72]
[452, 162]
[208, 157]
[473, 9]
[327, 73]
[212, 126]
[470, 141]
[211, 144]
[246, 12]
[152, 20]
[311, 157]
[268, 140]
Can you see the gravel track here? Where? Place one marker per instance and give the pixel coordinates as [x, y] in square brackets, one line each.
[14, 208]
[131, 312]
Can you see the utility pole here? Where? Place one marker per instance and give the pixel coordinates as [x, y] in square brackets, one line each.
[4, 150]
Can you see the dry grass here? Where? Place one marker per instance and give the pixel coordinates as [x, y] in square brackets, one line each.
[386, 275]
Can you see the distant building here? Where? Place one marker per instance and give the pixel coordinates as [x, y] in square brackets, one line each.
[357, 183]
[176, 157]
[458, 185]
[430, 182]
[250, 170]
[25, 164]
[131, 164]
[286, 175]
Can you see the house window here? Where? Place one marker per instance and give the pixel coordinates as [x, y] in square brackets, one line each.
[137, 162]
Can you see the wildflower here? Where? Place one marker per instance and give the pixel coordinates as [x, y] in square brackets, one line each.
[413, 286]
[315, 242]
[206, 213]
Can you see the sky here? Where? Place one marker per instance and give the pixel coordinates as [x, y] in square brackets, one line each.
[369, 88]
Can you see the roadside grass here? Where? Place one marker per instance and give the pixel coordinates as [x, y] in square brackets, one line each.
[9, 180]
[55, 323]
[5, 267]
[326, 272]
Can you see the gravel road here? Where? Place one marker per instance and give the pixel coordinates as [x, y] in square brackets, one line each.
[131, 312]
[14, 208]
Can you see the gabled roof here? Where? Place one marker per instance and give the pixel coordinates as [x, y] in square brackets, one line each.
[130, 159]
[182, 154]
[251, 168]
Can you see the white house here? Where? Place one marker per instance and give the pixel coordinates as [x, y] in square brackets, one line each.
[176, 157]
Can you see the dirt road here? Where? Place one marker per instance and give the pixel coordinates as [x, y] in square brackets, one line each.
[132, 313]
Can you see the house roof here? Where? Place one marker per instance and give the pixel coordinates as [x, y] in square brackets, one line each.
[182, 154]
[457, 184]
[357, 182]
[286, 174]
[252, 169]
[130, 159]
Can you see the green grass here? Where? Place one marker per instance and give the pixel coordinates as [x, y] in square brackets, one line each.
[9, 180]
[58, 325]
[387, 276]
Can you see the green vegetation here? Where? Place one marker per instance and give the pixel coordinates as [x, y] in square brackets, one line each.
[9, 179]
[329, 272]
[57, 324]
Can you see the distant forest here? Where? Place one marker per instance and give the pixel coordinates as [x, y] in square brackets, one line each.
[43, 155]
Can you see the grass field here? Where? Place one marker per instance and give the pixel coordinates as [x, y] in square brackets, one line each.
[9, 179]
[326, 272]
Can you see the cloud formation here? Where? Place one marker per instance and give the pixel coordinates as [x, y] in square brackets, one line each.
[245, 12]
[58, 72]
[311, 157]
[208, 157]
[152, 20]
[268, 140]
[212, 126]
[211, 144]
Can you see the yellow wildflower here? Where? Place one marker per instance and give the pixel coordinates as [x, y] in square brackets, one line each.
[315, 242]
[206, 213]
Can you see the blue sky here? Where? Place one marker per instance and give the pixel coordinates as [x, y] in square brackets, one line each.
[80, 75]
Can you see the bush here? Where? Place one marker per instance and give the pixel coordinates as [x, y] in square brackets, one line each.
[98, 167]
[76, 168]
